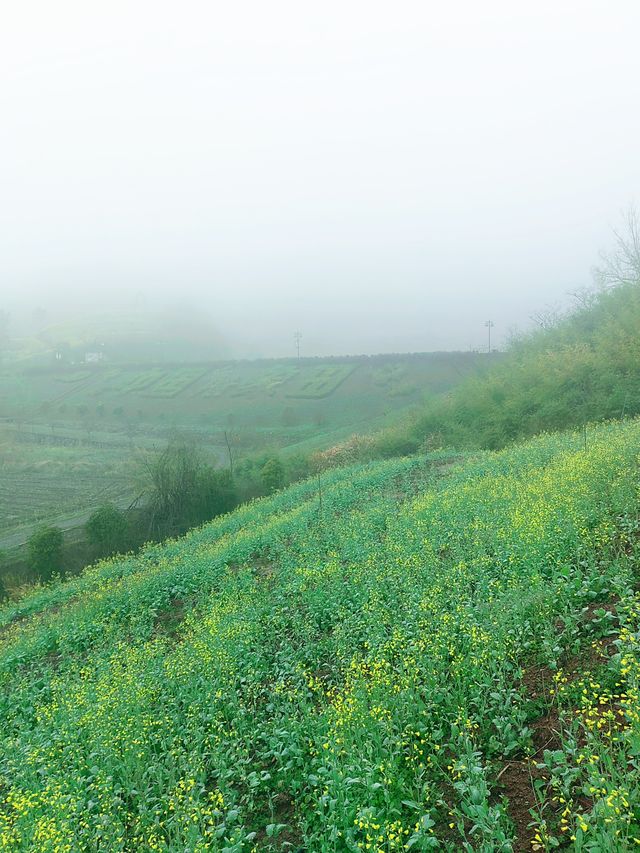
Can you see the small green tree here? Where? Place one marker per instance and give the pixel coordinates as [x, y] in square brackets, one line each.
[45, 551]
[107, 530]
[215, 494]
[172, 481]
[272, 475]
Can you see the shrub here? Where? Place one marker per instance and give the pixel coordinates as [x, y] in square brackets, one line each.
[107, 530]
[272, 475]
[357, 448]
[44, 550]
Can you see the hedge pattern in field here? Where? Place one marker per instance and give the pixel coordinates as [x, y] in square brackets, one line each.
[331, 669]
[175, 382]
[238, 381]
[130, 382]
[318, 382]
[74, 376]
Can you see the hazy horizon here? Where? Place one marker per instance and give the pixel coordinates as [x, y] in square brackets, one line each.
[382, 178]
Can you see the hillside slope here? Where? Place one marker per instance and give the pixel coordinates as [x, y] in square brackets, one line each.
[400, 655]
[581, 368]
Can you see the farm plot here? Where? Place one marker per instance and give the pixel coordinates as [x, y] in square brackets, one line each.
[394, 380]
[39, 482]
[276, 377]
[31, 497]
[219, 383]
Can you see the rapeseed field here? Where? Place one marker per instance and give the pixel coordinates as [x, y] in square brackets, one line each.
[417, 654]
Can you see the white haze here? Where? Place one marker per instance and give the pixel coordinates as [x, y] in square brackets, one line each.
[382, 176]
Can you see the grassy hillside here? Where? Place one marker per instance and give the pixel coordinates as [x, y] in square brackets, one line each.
[404, 655]
[583, 367]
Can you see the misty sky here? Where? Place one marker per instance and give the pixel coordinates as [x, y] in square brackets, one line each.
[382, 176]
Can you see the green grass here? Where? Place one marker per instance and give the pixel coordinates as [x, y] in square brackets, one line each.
[343, 666]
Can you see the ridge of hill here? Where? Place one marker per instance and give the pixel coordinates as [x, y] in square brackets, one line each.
[419, 653]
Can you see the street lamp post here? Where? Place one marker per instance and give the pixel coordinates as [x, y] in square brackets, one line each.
[489, 326]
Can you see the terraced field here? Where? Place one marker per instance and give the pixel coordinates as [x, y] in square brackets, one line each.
[340, 389]
[399, 656]
[258, 406]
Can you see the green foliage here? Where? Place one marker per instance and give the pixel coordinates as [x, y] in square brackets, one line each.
[309, 677]
[272, 475]
[215, 494]
[584, 367]
[107, 530]
[183, 490]
[297, 467]
[45, 551]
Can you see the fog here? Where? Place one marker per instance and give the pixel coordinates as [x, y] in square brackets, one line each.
[380, 176]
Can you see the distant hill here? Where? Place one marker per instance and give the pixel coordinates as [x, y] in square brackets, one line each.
[142, 334]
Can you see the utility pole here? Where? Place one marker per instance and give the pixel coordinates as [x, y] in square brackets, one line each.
[489, 326]
[297, 336]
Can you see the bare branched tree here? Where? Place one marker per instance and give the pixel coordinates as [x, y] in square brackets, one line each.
[584, 297]
[622, 264]
[172, 478]
[179, 489]
[547, 318]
